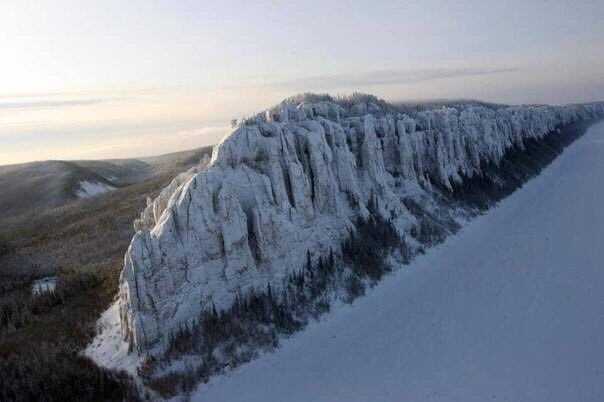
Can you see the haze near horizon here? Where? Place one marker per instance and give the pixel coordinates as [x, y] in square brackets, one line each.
[127, 79]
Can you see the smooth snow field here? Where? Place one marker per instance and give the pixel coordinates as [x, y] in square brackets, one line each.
[510, 309]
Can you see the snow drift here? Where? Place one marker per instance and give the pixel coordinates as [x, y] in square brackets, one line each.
[293, 180]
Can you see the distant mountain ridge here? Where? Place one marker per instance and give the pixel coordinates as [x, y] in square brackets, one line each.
[28, 187]
[40, 185]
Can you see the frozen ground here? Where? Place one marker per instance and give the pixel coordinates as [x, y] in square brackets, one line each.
[511, 309]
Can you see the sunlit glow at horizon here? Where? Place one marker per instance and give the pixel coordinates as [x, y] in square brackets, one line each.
[113, 79]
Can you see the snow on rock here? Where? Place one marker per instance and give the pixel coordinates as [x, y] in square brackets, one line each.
[156, 207]
[108, 348]
[293, 180]
[90, 189]
[44, 285]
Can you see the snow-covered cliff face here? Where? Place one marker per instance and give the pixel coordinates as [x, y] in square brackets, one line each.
[293, 180]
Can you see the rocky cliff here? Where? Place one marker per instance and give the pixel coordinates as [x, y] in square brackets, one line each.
[293, 180]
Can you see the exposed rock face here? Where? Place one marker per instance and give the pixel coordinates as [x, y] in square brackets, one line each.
[292, 180]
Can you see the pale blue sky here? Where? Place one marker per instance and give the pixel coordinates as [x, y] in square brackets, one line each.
[98, 79]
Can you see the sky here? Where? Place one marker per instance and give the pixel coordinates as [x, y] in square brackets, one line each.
[84, 79]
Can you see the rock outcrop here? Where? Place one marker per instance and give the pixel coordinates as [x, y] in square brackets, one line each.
[293, 180]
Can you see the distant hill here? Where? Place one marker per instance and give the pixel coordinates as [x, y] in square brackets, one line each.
[31, 187]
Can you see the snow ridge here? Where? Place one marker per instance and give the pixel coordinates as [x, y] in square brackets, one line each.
[293, 179]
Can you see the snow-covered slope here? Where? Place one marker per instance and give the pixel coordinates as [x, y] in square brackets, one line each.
[90, 189]
[510, 309]
[293, 180]
[41, 186]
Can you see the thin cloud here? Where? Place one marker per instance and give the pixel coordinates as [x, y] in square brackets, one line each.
[376, 78]
[69, 98]
[37, 104]
[21, 95]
